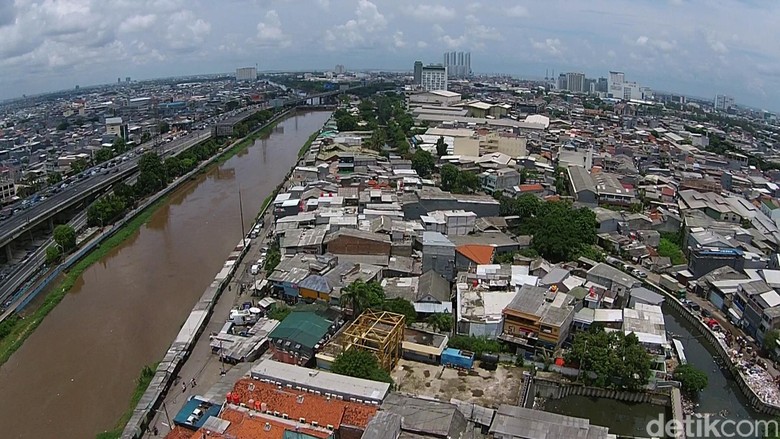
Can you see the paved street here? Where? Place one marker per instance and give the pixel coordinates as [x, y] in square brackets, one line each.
[202, 364]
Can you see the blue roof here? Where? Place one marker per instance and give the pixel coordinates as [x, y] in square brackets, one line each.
[194, 403]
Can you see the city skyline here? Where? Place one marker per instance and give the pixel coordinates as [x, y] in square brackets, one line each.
[56, 45]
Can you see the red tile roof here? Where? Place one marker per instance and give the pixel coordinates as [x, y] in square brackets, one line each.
[312, 407]
[244, 426]
[531, 187]
[481, 254]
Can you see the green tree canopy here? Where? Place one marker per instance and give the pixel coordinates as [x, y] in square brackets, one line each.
[401, 306]
[65, 236]
[362, 295]
[441, 146]
[53, 254]
[53, 178]
[360, 364]
[692, 379]
[458, 182]
[441, 322]
[423, 162]
[615, 358]
[79, 165]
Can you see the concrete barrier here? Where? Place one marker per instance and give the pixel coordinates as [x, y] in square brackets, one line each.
[552, 389]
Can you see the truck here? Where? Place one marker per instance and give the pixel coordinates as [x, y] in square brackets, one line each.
[669, 283]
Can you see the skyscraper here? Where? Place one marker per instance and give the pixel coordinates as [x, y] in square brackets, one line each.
[458, 63]
[418, 72]
[434, 77]
[575, 82]
[246, 74]
[723, 102]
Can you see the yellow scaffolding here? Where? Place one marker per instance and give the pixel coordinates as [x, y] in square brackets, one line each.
[378, 332]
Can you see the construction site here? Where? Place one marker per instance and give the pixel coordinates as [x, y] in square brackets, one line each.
[379, 332]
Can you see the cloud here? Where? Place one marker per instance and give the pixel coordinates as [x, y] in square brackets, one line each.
[550, 46]
[431, 13]
[269, 31]
[186, 31]
[359, 32]
[398, 40]
[137, 23]
[517, 11]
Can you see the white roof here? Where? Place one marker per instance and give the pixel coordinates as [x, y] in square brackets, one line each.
[445, 93]
[771, 298]
[608, 315]
[538, 119]
[325, 382]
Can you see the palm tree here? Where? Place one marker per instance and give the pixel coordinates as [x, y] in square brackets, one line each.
[361, 295]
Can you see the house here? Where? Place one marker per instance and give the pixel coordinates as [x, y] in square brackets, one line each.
[512, 422]
[358, 242]
[703, 260]
[429, 293]
[612, 279]
[294, 341]
[471, 255]
[298, 241]
[438, 255]
[643, 295]
[760, 307]
[450, 222]
[598, 188]
[499, 180]
[425, 417]
[538, 319]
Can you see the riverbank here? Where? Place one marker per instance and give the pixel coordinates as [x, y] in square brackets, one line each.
[79, 262]
[190, 337]
[144, 380]
[754, 383]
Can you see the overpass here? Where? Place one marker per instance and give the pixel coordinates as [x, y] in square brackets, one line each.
[25, 221]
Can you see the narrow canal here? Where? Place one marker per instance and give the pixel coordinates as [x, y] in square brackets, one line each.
[75, 375]
[722, 398]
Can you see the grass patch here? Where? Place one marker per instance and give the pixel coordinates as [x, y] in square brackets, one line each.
[21, 328]
[246, 142]
[305, 147]
[671, 250]
[141, 384]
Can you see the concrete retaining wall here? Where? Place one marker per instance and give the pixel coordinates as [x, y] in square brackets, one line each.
[707, 334]
[556, 390]
[182, 346]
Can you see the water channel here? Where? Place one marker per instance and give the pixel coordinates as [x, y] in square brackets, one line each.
[75, 374]
[722, 397]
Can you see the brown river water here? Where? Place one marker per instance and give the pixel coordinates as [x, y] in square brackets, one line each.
[74, 376]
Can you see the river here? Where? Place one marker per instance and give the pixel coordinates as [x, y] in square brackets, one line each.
[721, 397]
[75, 374]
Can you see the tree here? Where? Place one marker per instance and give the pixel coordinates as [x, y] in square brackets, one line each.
[770, 341]
[616, 359]
[279, 312]
[65, 236]
[362, 295]
[104, 155]
[671, 250]
[145, 137]
[53, 254]
[273, 258]
[231, 105]
[559, 231]
[441, 322]
[346, 121]
[449, 177]
[692, 379]
[401, 306]
[423, 162]
[441, 146]
[152, 175]
[360, 364]
[53, 178]
[163, 127]
[79, 165]
[62, 126]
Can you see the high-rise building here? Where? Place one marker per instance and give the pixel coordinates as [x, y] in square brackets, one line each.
[575, 82]
[615, 84]
[562, 84]
[723, 102]
[601, 85]
[418, 72]
[434, 77]
[127, 79]
[246, 74]
[458, 64]
[340, 69]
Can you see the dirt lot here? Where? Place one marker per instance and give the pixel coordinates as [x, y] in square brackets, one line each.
[478, 386]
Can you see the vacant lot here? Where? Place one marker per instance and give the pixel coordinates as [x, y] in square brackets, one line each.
[478, 386]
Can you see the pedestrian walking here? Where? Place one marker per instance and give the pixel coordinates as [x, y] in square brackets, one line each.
[183, 387]
[193, 383]
[155, 431]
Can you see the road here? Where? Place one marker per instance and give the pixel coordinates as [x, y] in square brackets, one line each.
[29, 267]
[202, 365]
